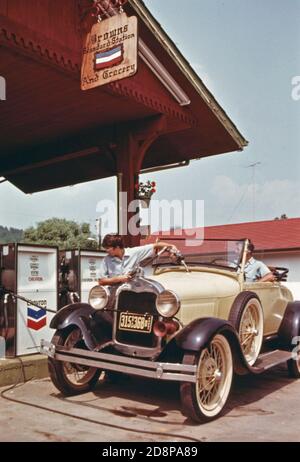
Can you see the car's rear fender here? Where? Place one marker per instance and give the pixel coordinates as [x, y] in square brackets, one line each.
[76, 314]
[290, 325]
[198, 334]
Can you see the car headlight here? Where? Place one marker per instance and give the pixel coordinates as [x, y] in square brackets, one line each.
[98, 297]
[167, 304]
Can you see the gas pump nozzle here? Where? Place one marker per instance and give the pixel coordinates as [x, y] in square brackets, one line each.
[177, 257]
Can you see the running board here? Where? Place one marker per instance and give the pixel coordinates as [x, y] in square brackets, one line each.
[268, 360]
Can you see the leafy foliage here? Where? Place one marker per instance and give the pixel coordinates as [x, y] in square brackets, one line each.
[283, 217]
[62, 233]
[8, 235]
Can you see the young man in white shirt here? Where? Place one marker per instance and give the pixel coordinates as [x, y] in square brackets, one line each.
[255, 270]
[120, 261]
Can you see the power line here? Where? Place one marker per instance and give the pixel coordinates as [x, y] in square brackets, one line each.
[253, 166]
[238, 204]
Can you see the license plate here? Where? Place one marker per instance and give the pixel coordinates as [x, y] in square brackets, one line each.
[135, 323]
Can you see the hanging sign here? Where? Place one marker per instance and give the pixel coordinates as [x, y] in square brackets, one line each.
[110, 51]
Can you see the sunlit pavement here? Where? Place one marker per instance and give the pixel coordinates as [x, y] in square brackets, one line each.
[263, 408]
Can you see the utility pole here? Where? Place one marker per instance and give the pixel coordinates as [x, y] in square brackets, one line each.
[99, 229]
[253, 166]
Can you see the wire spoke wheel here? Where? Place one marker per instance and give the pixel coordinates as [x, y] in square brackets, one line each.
[249, 330]
[71, 378]
[246, 316]
[77, 374]
[206, 399]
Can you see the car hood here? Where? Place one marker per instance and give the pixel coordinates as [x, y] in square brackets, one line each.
[198, 284]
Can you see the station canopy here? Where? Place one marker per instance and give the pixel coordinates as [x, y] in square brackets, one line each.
[53, 134]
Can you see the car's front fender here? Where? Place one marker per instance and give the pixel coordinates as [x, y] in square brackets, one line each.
[76, 314]
[198, 334]
[70, 312]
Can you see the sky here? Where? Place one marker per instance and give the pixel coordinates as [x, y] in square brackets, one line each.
[247, 53]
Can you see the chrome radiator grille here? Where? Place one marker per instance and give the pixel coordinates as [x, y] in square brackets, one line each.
[139, 304]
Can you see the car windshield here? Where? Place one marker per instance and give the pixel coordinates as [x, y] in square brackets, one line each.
[208, 252]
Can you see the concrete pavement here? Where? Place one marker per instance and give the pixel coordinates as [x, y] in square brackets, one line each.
[22, 369]
[261, 408]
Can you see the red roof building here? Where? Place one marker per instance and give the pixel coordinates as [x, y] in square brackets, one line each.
[272, 235]
[277, 243]
[265, 235]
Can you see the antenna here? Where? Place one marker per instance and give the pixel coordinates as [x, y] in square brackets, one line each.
[253, 166]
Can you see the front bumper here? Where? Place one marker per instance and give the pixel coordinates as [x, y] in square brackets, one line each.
[132, 366]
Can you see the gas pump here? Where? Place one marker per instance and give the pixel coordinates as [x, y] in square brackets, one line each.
[28, 296]
[68, 285]
[78, 273]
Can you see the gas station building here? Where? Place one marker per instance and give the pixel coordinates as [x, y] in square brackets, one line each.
[53, 134]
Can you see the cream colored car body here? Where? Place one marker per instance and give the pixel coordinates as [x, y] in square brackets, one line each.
[210, 292]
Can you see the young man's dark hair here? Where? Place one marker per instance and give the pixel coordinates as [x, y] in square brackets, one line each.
[113, 240]
[251, 247]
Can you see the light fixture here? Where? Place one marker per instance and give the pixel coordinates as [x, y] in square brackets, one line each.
[159, 168]
[162, 74]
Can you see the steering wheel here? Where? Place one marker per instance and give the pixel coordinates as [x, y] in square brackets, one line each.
[280, 273]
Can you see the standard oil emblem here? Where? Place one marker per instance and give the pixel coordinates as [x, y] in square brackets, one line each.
[109, 58]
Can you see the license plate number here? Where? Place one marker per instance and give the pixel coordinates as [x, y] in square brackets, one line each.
[135, 323]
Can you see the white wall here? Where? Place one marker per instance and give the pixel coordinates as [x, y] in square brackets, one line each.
[290, 260]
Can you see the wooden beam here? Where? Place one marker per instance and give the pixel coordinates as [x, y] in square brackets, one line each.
[52, 161]
[130, 151]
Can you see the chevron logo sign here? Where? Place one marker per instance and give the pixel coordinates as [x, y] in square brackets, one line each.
[36, 318]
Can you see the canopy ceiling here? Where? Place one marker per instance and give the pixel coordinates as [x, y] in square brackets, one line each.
[52, 134]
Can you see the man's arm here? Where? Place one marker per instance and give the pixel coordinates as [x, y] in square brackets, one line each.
[266, 273]
[111, 281]
[160, 245]
[150, 250]
[114, 280]
[267, 278]
[105, 280]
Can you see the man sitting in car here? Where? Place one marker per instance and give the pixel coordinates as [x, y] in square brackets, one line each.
[255, 270]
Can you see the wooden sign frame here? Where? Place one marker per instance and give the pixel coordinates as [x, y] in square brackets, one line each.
[110, 52]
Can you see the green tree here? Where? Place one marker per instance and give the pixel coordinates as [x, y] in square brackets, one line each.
[8, 235]
[60, 232]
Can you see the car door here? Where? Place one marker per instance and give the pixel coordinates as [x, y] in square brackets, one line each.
[273, 302]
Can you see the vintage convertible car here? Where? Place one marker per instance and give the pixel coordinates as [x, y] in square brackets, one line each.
[194, 320]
